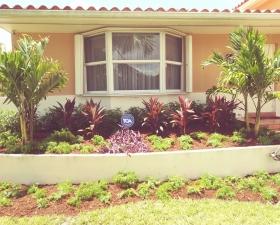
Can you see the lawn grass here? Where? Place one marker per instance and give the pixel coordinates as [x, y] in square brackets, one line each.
[171, 212]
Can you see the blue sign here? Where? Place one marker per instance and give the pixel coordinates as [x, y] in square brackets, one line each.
[127, 120]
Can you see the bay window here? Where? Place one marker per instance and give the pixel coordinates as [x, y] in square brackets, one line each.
[119, 62]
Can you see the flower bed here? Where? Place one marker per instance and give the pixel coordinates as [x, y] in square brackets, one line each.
[69, 199]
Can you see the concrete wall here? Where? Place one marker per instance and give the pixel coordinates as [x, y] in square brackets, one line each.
[49, 169]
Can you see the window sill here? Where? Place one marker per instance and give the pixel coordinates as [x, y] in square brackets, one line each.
[133, 94]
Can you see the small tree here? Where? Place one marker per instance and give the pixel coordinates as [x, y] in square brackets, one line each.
[249, 70]
[26, 77]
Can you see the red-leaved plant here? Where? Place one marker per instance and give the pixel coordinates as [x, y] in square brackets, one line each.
[95, 114]
[154, 115]
[219, 112]
[66, 111]
[182, 117]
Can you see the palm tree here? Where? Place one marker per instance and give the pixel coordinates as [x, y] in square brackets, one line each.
[26, 77]
[249, 70]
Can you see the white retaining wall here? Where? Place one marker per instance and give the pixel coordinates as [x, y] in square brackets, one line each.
[50, 169]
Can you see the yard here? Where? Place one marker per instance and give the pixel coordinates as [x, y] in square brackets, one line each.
[210, 212]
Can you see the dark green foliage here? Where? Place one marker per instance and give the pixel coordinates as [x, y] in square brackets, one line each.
[110, 123]
[139, 114]
[64, 135]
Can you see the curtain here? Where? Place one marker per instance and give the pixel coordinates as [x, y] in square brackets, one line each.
[173, 76]
[136, 46]
[96, 78]
[95, 48]
[173, 48]
[136, 76]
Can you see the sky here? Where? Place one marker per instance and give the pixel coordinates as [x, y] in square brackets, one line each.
[199, 4]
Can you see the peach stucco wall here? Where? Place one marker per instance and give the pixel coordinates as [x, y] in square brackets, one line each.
[61, 48]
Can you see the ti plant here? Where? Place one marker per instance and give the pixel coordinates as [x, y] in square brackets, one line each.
[66, 111]
[219, 112]
[182, 117]
[95, 114]
[155, 118]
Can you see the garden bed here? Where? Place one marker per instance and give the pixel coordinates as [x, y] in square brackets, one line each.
[54, 168]
[69, 199]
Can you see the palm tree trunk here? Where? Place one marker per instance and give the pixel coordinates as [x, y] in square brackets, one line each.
[246, 115]
[258, 116]
[23, 127]
[31, 123]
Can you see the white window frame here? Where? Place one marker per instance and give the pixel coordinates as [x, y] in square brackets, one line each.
[109, 62]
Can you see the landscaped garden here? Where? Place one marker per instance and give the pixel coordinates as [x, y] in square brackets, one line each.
[70, 199]
[27, 77]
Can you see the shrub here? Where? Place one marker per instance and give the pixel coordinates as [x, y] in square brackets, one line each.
[13, 190]
[195, 189]
[126, 141]
[262, 175]
[65, 112]
[64, 135]
[268, 193]
[33, 147]
[63, 189]
[94, 112]
[130, 192]
[110, 122]
[40, 195]
[181, 118]
[138, 114]
[265, 140]
[219, 113]
[125, 179]
[98, 140]
[174, 183]
[155, 118]
[87, 191]
[225, 192]
[144, 189]
[185, 142]
[59, 148]
[251, 183]
[276, 179]
[9, 121]
[199, 135]
[4, 201]
[210, 182]
[237, 137]
[86, 149]
[42, 203]
[215, 140]
[160, 144]
[7, 139]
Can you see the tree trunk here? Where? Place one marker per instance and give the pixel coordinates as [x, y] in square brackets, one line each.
[258, 116]
[23, 128]
[246, 115]
[31, 123]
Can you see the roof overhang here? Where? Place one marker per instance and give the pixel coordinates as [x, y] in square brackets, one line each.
[78, 21]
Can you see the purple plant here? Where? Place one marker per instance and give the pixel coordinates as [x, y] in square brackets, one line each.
[126, 141]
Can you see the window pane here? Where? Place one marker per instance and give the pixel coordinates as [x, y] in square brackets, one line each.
[96, 78]
[173, 48]
[173, 76]
[95, 48]
[136, 76]
[136, 46]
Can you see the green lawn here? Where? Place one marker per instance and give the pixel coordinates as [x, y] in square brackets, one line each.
[174, 212]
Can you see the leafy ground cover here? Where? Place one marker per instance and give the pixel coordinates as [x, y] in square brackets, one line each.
[71, 199]
[210, 212]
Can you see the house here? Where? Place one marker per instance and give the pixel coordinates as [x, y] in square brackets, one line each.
[120, 56]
